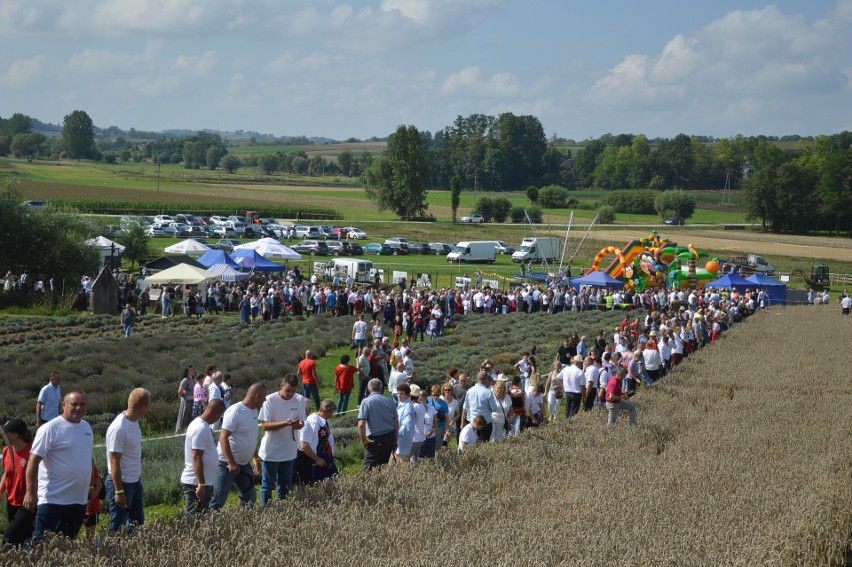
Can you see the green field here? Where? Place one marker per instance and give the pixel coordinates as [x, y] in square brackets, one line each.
[70, 180]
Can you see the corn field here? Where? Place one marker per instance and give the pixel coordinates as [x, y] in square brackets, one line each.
[741, 457]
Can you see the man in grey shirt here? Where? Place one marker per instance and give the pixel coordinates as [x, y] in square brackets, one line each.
[378, 426]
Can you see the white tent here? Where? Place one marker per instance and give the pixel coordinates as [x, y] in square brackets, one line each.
[188, 246]
[104, 243]
[181, 274]
[228, 274]
[270, 248]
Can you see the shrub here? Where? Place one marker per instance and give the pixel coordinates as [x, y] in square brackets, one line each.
[625, 201]
[555, 197]
[532, 194]
[501, 209]
[485, 207]
[606, 214]
[676, 202]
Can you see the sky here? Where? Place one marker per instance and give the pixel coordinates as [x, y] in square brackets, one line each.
[360, 68]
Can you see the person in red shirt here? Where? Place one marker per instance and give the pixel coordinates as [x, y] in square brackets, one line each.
[307, 369]
[615, 402]
[14, 482]
[344, 383]
[93, 506]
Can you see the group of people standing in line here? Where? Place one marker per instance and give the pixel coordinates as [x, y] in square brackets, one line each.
[52, 484]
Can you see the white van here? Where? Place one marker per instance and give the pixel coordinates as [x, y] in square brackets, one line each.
[472, 251]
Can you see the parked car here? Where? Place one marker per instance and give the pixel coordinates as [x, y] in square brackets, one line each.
[155, 230]
[398, 248]
[186, 218]
[675, 221]
[473, 218]
[268, 221]
[419, 248]
[337, 247]
[228, 244]
[357, 249]
[222, 231]
[311, 247]
[311, 232]
[378, 248]
[440, 248]
[252, 231]
[503, 248]
[204, 221]
[396, 240]
[163, 219]
[35, 203]
[218, 220]
[355, 233]
[181, 229]
[197, 231]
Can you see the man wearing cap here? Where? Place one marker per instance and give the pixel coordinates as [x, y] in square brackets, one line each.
[124, 463]
[14, 482]
[574, 384]
[378, 426]
[47, 406]
[480, 400]
[59, 472]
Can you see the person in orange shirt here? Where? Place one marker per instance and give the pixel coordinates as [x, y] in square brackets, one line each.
[14, 483]
[344, 383]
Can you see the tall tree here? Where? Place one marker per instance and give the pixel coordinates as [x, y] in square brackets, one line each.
[346, 160]
[78, 135]
[397, 180]
[135, 242]
[455, 194]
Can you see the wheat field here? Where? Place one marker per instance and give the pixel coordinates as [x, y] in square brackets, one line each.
[742, 457]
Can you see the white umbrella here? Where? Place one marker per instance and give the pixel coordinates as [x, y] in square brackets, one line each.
[188, 246]
[270, 248]
[104, 243]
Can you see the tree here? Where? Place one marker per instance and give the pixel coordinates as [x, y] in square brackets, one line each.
[109, 157]
[455, 194]
[555, 197]
[214, 156]
[46, 241]
[346, 162]
[78, 136]
[316, 165]
[231, 163]
[485, 207]
[268, 163]
[675, 203]
[501, 209]
[135, 242]
[28, 145]
[397, 180]
[532, 194]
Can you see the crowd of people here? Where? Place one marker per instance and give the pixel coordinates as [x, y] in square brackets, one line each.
[52, 485]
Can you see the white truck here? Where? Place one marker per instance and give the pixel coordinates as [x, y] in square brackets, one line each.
[473, 251]
[537, 249]
[761, 266]
[360, 270]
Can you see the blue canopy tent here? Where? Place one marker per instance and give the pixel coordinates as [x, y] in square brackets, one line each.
[213, 257]
[731, 281]
[597, 279]
[250, 259]
[776, 290]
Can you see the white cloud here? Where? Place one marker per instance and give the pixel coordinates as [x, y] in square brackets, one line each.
[23, 72]
[762, 53]
[470, 81]
[197, 65]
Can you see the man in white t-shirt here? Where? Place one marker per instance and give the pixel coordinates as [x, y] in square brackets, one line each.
[59, 471]
[200, 459]
[49, 398]
[281, 417]
[238, 460]
[124, 463]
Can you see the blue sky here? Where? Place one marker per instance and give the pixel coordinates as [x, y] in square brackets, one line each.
[360, 68]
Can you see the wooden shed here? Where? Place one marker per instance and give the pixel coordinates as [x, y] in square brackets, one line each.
[104, 295]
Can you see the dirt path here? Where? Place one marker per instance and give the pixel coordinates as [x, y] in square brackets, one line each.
[746, 242]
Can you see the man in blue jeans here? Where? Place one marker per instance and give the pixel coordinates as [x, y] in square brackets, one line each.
[238, 461]
[281, 417]
[63, 450]
[307, 369]
[124, 462]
